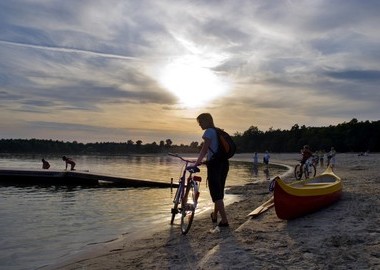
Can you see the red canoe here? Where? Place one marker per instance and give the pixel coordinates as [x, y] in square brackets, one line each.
[303, 197]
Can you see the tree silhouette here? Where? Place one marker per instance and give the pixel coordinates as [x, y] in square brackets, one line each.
[353, 136]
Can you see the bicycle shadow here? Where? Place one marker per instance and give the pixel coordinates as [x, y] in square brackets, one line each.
[187, 251]
[178, 249]
[231, 249]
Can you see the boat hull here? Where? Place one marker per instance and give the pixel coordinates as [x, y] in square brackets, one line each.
[300, 198]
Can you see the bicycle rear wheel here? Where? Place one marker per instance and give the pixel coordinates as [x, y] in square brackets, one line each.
[188, 208]
[298, 172]
[310, 171]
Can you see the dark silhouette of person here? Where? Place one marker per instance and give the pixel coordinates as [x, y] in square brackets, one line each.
[45, 164]
[69, 161]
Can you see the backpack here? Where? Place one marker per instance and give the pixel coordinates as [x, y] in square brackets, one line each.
[226, 146]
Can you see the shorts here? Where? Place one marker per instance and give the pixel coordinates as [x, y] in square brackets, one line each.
[217, 171]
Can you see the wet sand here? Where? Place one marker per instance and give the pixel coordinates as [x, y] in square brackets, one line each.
[346, 235]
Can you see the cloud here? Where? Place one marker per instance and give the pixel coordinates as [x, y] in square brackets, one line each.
[305, 62]
[356, 75]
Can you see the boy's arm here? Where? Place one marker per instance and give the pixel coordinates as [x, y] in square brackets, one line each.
[202, 154]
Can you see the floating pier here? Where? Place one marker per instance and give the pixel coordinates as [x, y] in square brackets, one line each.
[72, 178]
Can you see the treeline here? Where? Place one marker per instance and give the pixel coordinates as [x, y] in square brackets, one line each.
[108, 148]
[353, 136]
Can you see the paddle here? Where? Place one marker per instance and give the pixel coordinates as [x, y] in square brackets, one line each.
[262, 208]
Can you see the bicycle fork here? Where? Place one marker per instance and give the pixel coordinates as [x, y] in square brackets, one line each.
[196, 181]
[196, 193]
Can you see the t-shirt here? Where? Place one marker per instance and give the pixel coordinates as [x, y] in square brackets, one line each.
[210, 133]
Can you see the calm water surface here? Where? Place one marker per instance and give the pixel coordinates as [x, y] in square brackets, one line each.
[41, 225]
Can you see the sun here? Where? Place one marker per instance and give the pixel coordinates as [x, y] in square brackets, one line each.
[192, 81]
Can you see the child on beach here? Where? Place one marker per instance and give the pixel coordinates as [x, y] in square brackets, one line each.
[321, 157]
[255, 159]
[331, 158]
[266, 158]
[306, 155]
[69, 161]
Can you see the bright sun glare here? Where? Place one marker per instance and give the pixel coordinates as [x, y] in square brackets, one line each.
[192, 82]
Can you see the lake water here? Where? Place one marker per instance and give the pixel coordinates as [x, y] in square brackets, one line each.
[42, 225]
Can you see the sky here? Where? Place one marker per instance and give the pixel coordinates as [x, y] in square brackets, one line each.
[117, 70]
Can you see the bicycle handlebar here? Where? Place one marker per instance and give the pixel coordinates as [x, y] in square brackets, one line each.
[181, 158]
[191, 168]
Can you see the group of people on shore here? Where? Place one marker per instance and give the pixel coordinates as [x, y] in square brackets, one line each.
[68, 161]
[266, 158]
[317, 157]
[330, 156]
[306, 155]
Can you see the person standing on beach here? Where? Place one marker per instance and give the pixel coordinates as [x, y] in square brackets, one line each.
[321, 157]
[331, 158]
[306, 154]
[266, 158]
[45, 164]
[255, 164]
[217, 168]
[255, 159]
[69, 161]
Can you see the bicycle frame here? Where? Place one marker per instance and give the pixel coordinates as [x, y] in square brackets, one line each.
[186, 196]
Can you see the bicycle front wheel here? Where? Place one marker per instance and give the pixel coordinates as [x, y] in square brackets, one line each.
[188, 208]
[298, 172]
[176, 201]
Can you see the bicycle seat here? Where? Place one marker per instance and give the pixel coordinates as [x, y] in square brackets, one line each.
[193, 169]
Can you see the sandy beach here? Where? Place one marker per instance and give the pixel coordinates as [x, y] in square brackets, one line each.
[345, 235]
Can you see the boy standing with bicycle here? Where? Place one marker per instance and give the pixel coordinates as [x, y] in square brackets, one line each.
[217, 168]
[306, 154]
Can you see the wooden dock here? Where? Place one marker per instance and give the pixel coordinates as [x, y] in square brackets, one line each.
[72, 178]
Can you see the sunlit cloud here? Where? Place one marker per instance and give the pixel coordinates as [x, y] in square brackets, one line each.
[192, 82]
[152, 66]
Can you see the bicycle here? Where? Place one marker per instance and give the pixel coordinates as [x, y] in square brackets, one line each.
[308, 169]
[186, 196]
